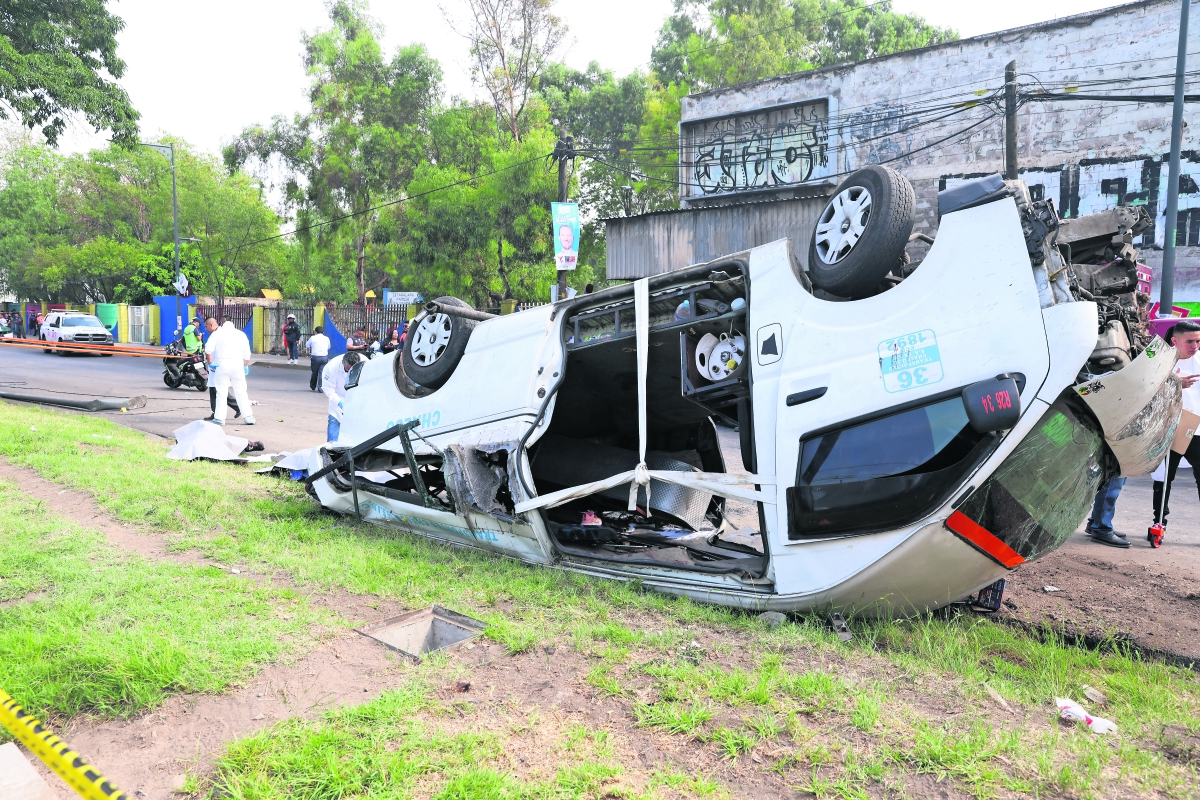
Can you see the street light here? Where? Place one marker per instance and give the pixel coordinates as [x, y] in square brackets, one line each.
[168, 150]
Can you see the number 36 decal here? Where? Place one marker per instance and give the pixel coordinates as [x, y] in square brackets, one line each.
[910, 361]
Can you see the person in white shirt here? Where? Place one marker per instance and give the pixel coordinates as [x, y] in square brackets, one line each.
[228, 354]
[333, 384]
[1186, 338]
[318, 352]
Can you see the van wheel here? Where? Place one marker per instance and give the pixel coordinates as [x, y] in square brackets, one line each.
[434, 348]
[861, 234]
[44, 348]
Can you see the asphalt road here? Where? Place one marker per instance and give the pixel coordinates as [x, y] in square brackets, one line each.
[289, 416]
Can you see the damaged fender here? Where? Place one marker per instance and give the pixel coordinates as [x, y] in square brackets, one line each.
[1138, 408]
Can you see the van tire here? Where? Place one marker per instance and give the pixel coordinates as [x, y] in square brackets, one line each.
[879, 204]
[436, 345]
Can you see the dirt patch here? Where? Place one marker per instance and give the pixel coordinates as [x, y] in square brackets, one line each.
[1107, 597]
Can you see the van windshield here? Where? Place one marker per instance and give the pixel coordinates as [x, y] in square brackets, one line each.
[81, 322]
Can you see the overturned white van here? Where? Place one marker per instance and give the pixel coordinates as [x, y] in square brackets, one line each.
[908, 433]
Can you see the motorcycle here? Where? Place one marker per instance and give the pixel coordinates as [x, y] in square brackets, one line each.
[181, 368]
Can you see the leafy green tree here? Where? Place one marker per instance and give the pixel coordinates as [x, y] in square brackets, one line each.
[31, 214]
[358, 145]
[724, 42]
[53, 58]
[226, 212]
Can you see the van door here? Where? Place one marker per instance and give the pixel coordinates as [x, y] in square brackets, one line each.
[857, 404]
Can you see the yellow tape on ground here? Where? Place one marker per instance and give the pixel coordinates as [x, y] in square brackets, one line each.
[56, 754]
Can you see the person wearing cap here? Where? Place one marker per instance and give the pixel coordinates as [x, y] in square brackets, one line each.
[192, 341]
[333, 384]
[291, 338]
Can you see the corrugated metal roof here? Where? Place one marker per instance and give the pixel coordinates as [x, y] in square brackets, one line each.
[664, 241]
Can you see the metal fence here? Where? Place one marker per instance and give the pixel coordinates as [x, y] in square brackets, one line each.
[239, 315]
[376, 321]
[139, 324]
[275, 318]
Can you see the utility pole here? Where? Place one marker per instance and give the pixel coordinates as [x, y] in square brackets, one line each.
[168, 150]
[1166, 297]
[565, 149]
[1010, 120]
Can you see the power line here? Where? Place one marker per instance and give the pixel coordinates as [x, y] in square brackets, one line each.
[404, 199]
[631, 171]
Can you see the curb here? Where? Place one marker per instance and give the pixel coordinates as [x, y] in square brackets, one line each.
[275, 365]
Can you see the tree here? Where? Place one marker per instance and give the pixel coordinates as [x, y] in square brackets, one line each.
[31, 214]
[358, 145]
[98, 228]
[724, 42]
[235, 227]
[511, 42]
[53, 56]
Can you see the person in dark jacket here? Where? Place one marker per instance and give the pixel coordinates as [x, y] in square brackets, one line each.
[291, 338]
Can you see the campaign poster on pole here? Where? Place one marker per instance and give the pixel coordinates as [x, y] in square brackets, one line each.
[566, 234]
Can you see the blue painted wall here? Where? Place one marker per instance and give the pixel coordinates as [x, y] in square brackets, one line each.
[166, 316]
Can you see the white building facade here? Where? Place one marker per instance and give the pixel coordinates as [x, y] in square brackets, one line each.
[936, 115]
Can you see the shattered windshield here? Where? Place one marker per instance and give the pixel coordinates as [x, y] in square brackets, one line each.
[1043, 490]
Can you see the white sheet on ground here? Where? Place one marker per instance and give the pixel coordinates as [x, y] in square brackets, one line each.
[202, 439]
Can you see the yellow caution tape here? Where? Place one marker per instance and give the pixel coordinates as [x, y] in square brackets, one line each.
[56, 754]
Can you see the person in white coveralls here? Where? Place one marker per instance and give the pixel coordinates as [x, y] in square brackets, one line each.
[333, 384]
[228, 354]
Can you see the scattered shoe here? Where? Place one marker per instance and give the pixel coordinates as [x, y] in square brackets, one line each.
[1110, 539]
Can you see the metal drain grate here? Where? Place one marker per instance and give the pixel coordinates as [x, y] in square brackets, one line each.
[423, 631]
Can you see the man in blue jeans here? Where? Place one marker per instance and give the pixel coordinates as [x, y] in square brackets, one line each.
[1099, 525]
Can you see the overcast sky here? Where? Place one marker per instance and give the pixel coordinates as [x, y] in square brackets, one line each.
[203, 71]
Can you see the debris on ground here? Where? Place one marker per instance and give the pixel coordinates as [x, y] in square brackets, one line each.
[840, 627]
[1095, 695]
[1070, 710]
[997, 697]
[1049, 589]
[773, 619]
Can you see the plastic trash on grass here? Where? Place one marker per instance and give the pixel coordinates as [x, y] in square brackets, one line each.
[1069, 709]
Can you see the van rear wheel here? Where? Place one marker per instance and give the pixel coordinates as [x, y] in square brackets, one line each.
[861, 234]
[436, 345]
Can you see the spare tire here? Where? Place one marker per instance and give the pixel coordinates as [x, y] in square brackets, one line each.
[861, 234]
[436, 345]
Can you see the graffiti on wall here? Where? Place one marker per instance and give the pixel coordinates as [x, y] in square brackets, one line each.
[760, 150]
[1098, 184]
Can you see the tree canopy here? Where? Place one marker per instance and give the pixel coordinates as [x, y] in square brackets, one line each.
[383, 180]
[59, 57]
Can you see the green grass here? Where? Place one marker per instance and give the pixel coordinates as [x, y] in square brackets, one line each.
[87, 629]
[385, 749]
[770, 680]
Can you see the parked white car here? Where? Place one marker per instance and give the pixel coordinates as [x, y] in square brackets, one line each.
[73, 327]
[909, 433]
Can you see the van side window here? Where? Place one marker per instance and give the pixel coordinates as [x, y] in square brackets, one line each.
[884, 472]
